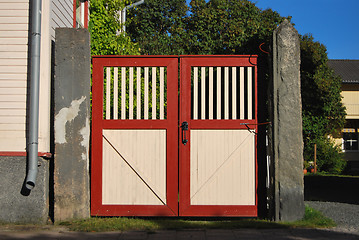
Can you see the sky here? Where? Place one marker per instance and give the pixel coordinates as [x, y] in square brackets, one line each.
[334, 23]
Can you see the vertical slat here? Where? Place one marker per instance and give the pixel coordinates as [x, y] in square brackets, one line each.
[234, 93]
[210, 107]
[203, 92]
[115, 93]
[162, 92]
[123, 93]
[219, 110]
[138, 94]
[146, 94]
[250, 93]
[108, 93]
[226, 93]
[154, 78]
[241, 93]
[130, 101]
[195, 93]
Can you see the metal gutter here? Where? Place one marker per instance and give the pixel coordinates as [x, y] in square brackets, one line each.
[34, 93]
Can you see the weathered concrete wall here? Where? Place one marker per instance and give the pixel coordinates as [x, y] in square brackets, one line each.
[287, 125]
[17, 204]
[72, 124]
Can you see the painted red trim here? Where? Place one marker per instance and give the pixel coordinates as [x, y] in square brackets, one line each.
[185, 207]
[74, 14]
[220, 210]
[86, 23]
[24, 154]
[170, 125]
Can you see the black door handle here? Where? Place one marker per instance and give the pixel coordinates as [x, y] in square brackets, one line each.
[184, 127]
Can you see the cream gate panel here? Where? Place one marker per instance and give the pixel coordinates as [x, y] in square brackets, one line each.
[222, 167]
[134, 167]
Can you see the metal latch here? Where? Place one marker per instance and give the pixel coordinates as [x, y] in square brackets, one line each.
[184, 127]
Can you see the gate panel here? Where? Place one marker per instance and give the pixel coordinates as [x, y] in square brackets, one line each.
[135, 136]
[218, 161]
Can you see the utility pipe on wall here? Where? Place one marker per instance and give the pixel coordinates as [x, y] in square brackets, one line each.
[123, 14]
[34, 93]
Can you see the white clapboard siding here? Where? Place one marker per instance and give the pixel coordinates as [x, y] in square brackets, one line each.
[61, 15]
[13, 27]
[13, 12]
[14, 20]
[14, 17]
[8, 49]
[14, 5]
[222, 167]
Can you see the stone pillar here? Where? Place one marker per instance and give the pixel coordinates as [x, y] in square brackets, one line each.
[287, 125]
[72, 124]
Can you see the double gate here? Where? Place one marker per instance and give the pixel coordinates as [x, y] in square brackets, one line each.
[158, 151]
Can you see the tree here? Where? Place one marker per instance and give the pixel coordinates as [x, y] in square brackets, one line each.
[104, 28]
[158, 26]
[323, 110]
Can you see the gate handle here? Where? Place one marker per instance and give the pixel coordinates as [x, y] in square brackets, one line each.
[184, 127]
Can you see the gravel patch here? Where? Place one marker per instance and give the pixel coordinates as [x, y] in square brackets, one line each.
[345, 215]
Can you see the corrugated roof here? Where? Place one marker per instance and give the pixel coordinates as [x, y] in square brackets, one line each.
[348, 70]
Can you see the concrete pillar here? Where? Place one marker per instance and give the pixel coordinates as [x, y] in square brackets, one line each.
[287, 125]
[72, 124]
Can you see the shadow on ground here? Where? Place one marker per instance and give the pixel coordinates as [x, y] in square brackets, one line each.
[331, 189]
[272, 234]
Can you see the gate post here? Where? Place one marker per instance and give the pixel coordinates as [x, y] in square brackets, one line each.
[286, 113]
[72, 124]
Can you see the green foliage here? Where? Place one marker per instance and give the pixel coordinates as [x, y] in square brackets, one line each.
[329, 156]
[216, 27]
[104, 28]
[323, 111]
[158, 26]
[314, 219]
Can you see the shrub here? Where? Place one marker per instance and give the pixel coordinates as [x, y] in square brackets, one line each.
[329, 155]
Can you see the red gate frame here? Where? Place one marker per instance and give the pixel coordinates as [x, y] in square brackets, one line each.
[186, 62]
[170, 124]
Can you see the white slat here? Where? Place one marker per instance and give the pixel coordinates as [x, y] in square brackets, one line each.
[146, 93]
[219, 93]
[195, 93]
[234, 93]
[130, 101]
[210, 113]
[226, 93]
[249, 93]
[162, 92]
[115, 93]
[108, 92]
[241, 93]
[154, 78]
[138, 94]
[203, 92]
[123, 93]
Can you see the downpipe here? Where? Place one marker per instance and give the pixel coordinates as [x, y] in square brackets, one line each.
[34, 94]
[123, 13]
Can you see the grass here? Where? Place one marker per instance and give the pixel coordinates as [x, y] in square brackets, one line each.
[312, 219]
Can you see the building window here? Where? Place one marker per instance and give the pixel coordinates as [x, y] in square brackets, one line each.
[350, 139]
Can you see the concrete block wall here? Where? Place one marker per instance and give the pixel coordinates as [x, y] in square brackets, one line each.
[17, 204]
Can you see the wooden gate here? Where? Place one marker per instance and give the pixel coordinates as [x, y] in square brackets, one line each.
[137, 169]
